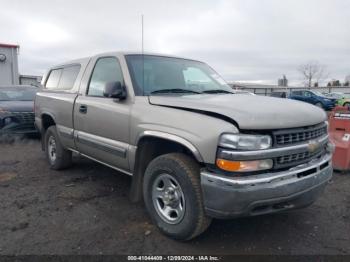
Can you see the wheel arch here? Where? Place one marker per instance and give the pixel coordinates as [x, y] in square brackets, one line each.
[171, 138]
[47, 120]
[151, 144]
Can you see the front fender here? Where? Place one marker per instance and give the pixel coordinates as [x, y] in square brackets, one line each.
[173, 138]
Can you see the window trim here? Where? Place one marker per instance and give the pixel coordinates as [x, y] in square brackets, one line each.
[92, 72]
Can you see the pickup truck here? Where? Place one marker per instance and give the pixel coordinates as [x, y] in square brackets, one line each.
[195, 149]
[314, 97]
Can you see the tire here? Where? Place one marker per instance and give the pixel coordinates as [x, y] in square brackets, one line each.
[57, 156]
[181, 173]
[319, 105]
[346, 104]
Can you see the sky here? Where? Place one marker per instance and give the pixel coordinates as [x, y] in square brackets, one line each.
[253, 41]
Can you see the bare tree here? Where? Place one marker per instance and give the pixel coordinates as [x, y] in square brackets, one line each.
[312, 72]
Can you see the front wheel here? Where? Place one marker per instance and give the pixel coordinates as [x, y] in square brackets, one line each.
[173, 197]
[57, 156]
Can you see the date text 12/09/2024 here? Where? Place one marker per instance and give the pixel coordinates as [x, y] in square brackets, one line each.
[173, 258]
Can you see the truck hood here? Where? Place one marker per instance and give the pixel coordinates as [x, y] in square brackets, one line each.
[249, 112]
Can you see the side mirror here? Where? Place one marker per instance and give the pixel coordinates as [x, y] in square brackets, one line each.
[114, 90]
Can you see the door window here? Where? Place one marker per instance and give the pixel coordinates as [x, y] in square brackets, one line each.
[106, 70]
[297, 93]
[69, 75]
[307, 94]
[54, 78]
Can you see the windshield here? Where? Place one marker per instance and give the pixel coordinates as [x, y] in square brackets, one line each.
[12, 94]
[159, 75]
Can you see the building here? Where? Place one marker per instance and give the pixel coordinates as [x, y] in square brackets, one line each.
[9, 75]
[9, 65]
[283, 81]
[29, 80]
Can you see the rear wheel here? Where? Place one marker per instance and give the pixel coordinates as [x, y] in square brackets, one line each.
[173, 197]
[57, 156]
[346, 104]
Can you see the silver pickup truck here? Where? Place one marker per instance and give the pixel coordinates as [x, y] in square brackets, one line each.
[195, 149]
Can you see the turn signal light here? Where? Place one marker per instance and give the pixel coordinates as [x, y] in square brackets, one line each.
[244, 166]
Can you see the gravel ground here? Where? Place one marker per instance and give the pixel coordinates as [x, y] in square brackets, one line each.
[86, 210]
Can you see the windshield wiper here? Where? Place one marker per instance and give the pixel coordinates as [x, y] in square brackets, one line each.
[217, 91]
[174, 90]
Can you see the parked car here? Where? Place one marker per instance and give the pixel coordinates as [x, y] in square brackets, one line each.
[280, 94]
[342, 99]
[314, 97]
[194, 151]
[17, 110]
[336, 95]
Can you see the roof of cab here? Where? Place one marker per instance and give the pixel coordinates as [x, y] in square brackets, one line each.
[86, 59]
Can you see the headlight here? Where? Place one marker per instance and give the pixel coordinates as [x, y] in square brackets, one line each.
[245, 142]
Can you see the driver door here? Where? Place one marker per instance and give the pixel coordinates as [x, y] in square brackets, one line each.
[101, 123]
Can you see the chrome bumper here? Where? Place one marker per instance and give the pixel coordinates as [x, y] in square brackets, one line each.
[297, 187]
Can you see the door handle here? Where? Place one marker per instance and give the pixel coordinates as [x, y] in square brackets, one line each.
[83, 109]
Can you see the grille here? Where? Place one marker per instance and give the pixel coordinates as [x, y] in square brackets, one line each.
[297, 158]
[25, 120]
[24, 117]
[294, 136]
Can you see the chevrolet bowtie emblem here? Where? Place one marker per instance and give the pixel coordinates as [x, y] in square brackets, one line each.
[313, 146]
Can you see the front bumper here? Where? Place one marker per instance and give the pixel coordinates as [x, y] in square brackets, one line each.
[329, 107]
[21, 123]
[19, 130]
[228, 197]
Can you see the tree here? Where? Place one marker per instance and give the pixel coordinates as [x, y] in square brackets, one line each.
[312, 72]
[336, 83]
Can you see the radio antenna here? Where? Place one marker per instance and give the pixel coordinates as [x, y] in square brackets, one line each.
[143, 61]
[142, 32]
